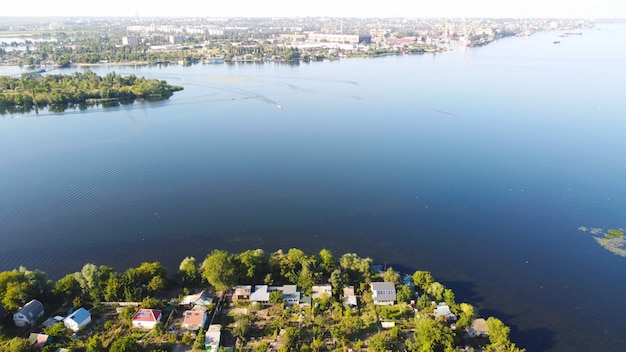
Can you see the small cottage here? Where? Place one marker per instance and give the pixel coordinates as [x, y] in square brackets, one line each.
[194, 319]
[146, 318]
[383, 293]
[317, 291]
[349, 298]
[29, 314]
[77, 320]
[38, 340]
[242, 292]
[478, 328]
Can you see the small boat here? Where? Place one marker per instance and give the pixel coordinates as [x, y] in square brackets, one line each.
[556, 42]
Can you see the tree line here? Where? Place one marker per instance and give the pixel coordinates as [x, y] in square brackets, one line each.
[86, 87]
[148, 282]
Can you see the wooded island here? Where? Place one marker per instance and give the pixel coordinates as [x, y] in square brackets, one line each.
[59, 91]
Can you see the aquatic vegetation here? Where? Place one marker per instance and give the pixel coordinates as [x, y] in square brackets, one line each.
[612, 233]
[613, 240]
[596, 230]
[615, 245]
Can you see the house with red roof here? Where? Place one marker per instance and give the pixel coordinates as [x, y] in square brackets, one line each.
[146, 318]
[194, 319]
[38, 340]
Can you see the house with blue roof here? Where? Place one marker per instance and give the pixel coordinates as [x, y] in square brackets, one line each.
[77, 320]
[443, 310]
[291, 295]
[408, 282]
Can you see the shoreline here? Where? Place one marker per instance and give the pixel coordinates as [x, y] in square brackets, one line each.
[123, 63]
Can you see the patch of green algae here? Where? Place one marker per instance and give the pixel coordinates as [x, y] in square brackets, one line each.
[613, 240]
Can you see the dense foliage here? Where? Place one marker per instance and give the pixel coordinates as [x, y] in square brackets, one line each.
[78, 88]
[326, 321]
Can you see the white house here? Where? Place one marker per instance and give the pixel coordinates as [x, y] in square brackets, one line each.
[349, 298]
[198, 299]
[261, 294]
[383, 293]
[317, 291]
[75, 321]
[291, 295]
[212, 338]
[242, 292]
[29, 314]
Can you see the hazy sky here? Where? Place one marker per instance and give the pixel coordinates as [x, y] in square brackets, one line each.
[345, 8]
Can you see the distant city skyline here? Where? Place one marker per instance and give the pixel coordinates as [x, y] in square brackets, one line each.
[287, 8]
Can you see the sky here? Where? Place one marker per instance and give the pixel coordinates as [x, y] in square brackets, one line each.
[333, 8]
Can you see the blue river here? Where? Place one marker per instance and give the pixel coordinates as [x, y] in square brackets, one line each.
[478, 164]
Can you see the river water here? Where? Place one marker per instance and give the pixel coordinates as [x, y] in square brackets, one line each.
[478, 164]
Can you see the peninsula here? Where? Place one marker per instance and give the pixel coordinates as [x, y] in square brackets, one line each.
[250, 301]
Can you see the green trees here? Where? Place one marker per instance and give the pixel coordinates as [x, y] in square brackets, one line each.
[15, 295]
[448, 297]
[436, 290]
[88, 278]
[466, 316]
[252, 266]
[422, 279]
[19, 345]
[430, 336]
[358, 270]
[276, 297]
[499, 337]
[287, 265]
[78, 88]
[328, 317]
[188, 271]
[306, 277]
[326, 262]
[391, 275]
[57, 330]
[291, 339]
[93, 280]
[385, 341]
[219, 269]
[102, 283]
[125, 344]
[404, 294]
[20, 286]
[242, 325]
[498, 332]
[93, 344]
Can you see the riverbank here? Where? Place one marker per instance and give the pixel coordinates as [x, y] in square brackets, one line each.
[292, 300]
